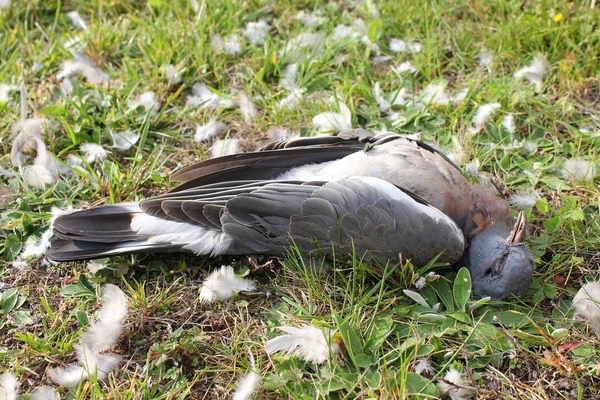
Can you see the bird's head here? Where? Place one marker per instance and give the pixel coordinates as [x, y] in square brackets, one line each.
[500, 265]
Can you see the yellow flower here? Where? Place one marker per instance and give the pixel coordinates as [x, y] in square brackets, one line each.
[558, 17]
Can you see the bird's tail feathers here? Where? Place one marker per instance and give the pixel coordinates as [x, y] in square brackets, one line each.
[100, 232]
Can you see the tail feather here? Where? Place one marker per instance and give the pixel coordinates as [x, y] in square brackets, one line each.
[100, 232]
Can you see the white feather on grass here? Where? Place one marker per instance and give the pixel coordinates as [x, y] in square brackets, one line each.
[404, 67]
[8, 386]
[401, 46]
[172, 74]
[523, 200]
[247, 107]
[424, 367]
[222, 283]
[147, 101]
[78, 21]
[482, 116]
[90, 364]
[292, 100]
[93, 360]
[5, 91]
[307, 342]
[587, 304]
[81, 65]
[535, 72]
[248, 385]
[211, 129]
[435, 93]
[102, 334]
[332, 121]
[94, 267]
[205, 98]
[124, 140]
[4, 3]
[486, 58]
[224, 147]
[256, 32]
[455, 385]
[93, 152]
[230, 45]
[44, 393]
[278, 133]
[508, 122]
[579, 169]
[310, 19]
[289, 76]
[472, 167]
[34, 249]
[296, 46]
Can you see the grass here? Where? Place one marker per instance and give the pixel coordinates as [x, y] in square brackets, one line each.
[175, 347]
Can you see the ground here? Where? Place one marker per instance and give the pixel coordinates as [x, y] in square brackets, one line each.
[173, 345]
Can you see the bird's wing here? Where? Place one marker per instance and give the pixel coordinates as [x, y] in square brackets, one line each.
[278, 157]
[354, 215]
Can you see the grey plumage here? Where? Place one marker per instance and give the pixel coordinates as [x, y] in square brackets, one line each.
[383, 196]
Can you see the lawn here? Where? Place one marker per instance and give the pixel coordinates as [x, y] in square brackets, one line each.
[222, 81]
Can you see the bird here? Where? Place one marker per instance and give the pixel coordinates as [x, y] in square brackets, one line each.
[387, 197]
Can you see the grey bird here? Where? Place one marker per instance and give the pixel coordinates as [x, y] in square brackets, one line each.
[382, 196]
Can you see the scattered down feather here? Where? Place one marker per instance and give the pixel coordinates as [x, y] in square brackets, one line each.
[332, 121]
[578, 169]
[482, 116]
[486, 58]
[39, 248]
[8, 386]
[123, 141]
[455, 385]
[221, 284]
[93, 152]
[508, 122]
[211, 129]
[93, 360]
[306, 342]
[224, 147]
[256, 32]
[424, 367]
[44, 393]
[587, 304]
[102, 334]
[77, 20]
[247, 107]
[535, 72]
[147, 101]
[248, 385]
[523, 200]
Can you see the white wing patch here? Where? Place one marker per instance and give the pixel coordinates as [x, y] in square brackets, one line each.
[194, 238]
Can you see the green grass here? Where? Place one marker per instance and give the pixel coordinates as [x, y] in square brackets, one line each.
[176, 347]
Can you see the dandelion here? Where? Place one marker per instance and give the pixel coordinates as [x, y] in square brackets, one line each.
[222, 283]
[587, 304]
[93, 152]
[454, 385]
[123, 141]
[579, 169]
[209, 130]
[482, 116]
[306, 342]
[535, 72]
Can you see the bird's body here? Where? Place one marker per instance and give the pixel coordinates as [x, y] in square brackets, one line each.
[385, 195]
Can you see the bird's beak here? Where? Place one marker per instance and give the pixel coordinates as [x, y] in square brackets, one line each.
[519, 231]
